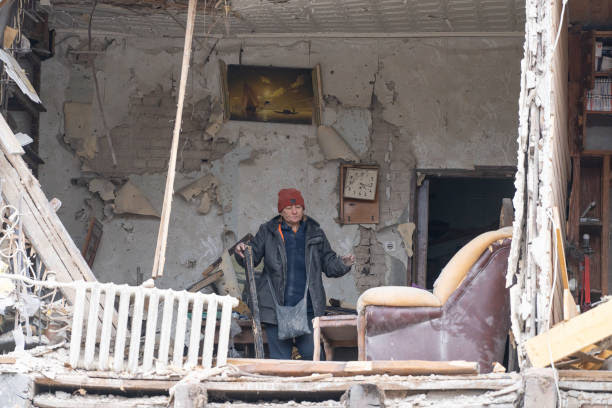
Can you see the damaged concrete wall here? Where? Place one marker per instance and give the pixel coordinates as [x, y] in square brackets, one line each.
[400, 103]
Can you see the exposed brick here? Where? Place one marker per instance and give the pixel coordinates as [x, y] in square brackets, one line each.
[166, 143]
[192, 154]
[151, 100]
[157, 164]
[192, 164]
[158, 153]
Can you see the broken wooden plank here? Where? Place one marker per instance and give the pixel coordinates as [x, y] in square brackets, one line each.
[92, 240]
[254, 305]
[205, 282]
[351, 368]
[211, 268]
[585, 375]
[72, 401]
[8, 141]
[104, 384]
[243, 384]
[160, 250]
[8, 360]
[42, 226]
[569, 305]
[569, 337]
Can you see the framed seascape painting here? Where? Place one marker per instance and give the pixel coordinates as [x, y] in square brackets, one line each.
[272, 94]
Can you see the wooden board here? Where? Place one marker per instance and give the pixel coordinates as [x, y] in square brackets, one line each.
[8, 141]
[422, 233]
[350, 368]
[104, 384]
[242, 384]
[52, 401]
[211, 278]
[571, 336]
[569, 305]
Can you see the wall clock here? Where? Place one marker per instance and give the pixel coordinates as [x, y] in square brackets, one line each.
[360, 183]
[359, 198]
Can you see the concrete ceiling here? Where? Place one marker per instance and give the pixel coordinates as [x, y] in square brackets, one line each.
[294, 17]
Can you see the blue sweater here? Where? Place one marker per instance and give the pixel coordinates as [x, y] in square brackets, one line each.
[295, 248]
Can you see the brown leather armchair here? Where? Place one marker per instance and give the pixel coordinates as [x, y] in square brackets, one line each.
[467, 317]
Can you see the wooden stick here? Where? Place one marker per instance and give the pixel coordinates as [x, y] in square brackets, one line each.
[569, 305]
[162, 236]
[605, 229]
[257, 336]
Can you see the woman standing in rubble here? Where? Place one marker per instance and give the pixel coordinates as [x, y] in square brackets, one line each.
[290, 291]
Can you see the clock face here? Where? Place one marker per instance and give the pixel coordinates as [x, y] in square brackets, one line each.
[360, 183]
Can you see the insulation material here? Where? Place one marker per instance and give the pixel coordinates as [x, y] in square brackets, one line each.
[131, 200]
[406, 230]
[77, 125]
[17, 74]
[334, 146]
[103, 187]
[9, 36]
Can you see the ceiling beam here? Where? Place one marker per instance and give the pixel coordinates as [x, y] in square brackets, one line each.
[178, 5]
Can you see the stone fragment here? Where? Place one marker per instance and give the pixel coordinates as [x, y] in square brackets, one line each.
[103, 187]
[195, 188]
[205, 203]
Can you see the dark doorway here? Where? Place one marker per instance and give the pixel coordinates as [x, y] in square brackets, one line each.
[460, 208]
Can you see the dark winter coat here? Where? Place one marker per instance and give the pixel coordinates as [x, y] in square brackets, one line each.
[320, 258]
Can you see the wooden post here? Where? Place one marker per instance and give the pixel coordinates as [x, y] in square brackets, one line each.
[605, 221]
[422, 233]
[162, 236]
[257, 335]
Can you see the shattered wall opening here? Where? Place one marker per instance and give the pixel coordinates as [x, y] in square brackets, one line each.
[369, 103]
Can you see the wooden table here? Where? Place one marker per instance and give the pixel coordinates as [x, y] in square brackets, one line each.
[333, 331]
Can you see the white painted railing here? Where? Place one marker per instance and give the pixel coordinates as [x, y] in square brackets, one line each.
[175, 315]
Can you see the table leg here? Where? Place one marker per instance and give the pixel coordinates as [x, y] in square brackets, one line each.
[329, 350]
[316, 338]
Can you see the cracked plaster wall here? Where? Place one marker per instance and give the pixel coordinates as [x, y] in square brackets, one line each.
[402, 103]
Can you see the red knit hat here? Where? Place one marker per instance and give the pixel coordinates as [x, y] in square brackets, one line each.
[289, 196]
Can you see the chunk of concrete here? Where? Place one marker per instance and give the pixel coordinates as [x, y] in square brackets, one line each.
[205, 203]
[190, 395]
[195, 188]
[103, 187]
[540, 390]
[131, 200]
[334, 146]
[364, 396]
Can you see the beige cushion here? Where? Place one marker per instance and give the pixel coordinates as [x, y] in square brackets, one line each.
[457, 268]
[396, 296]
